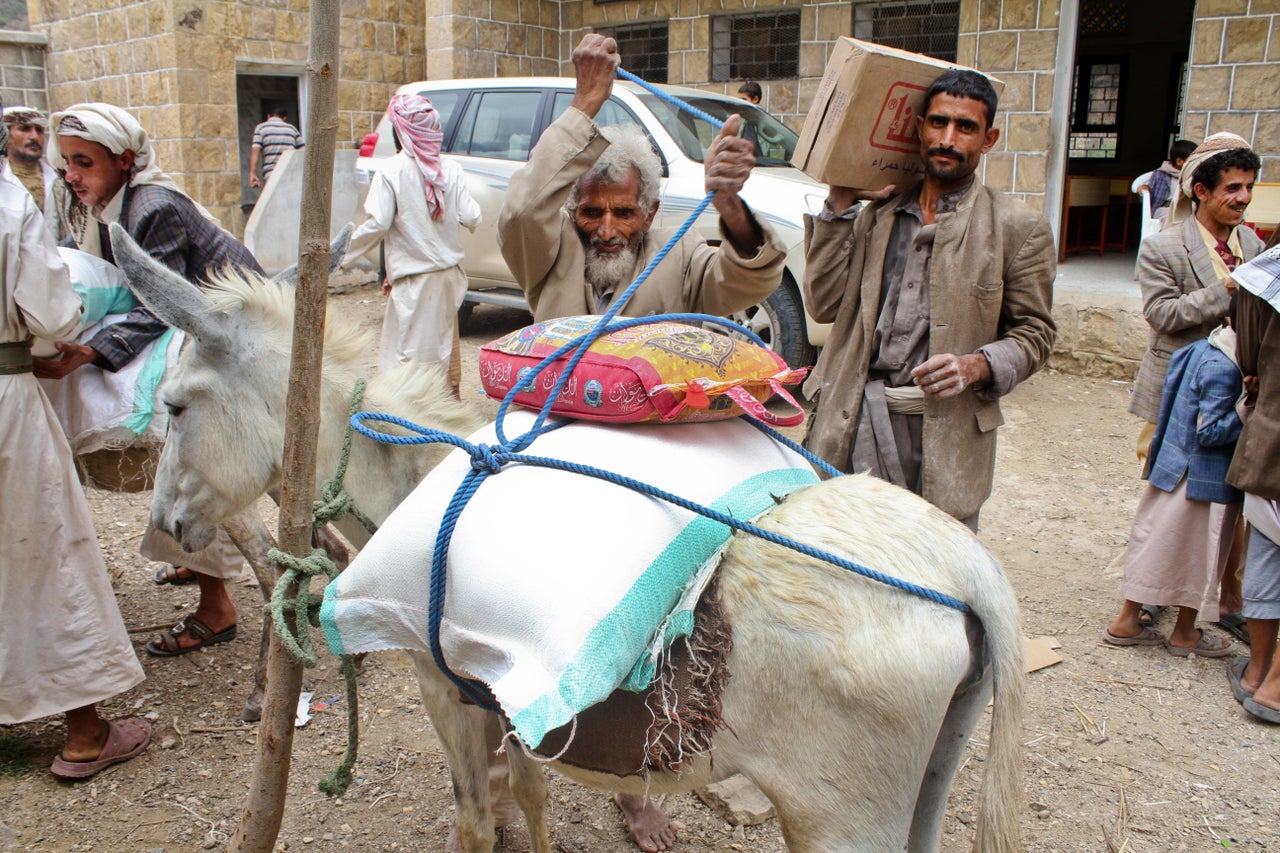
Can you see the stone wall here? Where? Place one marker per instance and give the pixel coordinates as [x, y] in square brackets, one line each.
[1017, 43]
[497, 38]
[1098, 334]
[22, 69]
[174, 67]
[1235, 75]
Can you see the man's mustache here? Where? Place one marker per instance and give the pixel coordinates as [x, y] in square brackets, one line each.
[946, 152]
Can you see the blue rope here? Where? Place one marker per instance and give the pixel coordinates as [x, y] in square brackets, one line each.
[672, 99]
[487, 459]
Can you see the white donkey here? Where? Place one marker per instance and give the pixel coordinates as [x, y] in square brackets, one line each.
[849, 703]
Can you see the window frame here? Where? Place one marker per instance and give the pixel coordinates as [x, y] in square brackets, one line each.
[613, 31]
[1079, 116]
[722, 29]
[863, 24]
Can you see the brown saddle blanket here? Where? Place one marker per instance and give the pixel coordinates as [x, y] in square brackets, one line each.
[634, 733]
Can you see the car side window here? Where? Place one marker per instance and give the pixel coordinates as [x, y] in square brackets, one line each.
[610, 114]
[498, 125]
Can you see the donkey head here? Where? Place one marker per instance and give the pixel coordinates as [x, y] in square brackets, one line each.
[225, 398]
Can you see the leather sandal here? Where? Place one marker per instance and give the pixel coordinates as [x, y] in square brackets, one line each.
[166, 645]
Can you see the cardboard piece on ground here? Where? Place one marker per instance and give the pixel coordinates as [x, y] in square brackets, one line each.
[1040, 652]
[861, 130]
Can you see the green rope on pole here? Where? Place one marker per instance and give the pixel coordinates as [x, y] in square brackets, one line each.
[335, 501]
[305, 608]
[337, 782]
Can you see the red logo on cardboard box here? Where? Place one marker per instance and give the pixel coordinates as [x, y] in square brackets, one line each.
[895, 128]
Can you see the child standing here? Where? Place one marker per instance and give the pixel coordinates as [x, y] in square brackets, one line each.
[417, 204]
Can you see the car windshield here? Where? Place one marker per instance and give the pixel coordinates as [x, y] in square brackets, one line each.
[774, 141]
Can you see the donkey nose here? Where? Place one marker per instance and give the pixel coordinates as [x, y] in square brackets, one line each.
[177, 530]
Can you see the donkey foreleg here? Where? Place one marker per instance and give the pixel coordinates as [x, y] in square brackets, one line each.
[461, 729]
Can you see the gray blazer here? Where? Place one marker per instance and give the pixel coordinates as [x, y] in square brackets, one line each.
[1183, 300]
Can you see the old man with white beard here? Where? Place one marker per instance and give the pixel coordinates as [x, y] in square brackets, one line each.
[575, 228]
[575, 231]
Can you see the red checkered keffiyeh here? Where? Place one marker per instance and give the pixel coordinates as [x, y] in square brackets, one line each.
[417, 125]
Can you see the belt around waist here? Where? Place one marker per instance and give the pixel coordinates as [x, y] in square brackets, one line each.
[15, 357]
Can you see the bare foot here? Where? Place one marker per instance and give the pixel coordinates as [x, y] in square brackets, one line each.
[649, 828]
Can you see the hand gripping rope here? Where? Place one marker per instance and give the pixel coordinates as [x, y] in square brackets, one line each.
[486, 459]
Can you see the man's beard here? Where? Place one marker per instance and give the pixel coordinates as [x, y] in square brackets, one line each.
[606, 271]
[954, 173]
[27, 155]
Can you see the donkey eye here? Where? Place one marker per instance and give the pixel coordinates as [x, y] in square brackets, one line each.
[174, 411]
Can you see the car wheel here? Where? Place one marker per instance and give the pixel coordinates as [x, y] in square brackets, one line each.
[779, 321]
[464, 315]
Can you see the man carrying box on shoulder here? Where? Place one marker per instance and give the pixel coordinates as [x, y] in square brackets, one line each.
[940, 292]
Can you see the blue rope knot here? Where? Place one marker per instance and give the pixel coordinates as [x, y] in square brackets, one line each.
[484, 460]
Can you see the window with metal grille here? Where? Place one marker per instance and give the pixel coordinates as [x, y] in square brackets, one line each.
[1104, 17]
[643, 48]
[920, 26]
[763, 46]
[1095, 111]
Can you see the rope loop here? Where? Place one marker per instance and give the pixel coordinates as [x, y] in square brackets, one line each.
[297, 573]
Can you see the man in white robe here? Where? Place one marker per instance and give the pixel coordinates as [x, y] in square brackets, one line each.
[63, 644]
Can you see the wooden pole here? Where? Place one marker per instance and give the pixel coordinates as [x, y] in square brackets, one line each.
[264, 804]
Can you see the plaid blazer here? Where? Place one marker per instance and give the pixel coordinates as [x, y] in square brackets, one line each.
[1198, 427]
[1183, 300]
[174, 232]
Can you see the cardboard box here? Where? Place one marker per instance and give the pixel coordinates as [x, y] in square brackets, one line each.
[861, 129]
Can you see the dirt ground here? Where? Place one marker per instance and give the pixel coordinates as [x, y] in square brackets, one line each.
[1126, 749]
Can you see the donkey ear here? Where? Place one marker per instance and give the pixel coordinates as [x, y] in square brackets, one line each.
[337, 251]
[169, 296]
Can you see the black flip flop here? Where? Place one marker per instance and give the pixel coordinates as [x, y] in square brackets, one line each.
[1235, 625]
[1262, 712]
[1234, 673]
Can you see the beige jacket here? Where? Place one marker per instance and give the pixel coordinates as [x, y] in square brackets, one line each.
[991, 278]
[542, 247]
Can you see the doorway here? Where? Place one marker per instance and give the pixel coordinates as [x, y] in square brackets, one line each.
[1126, 110]
[255, 94]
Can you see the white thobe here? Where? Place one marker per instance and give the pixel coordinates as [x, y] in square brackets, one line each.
[63, 643]
[422, 256]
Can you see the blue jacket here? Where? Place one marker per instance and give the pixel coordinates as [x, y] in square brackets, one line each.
[1198, 426]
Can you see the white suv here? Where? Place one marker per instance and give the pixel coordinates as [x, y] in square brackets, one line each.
[491, 125]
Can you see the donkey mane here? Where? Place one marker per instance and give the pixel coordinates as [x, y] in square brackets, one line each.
[411, 391]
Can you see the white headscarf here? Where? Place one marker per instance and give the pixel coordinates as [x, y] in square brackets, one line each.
[417, 125]
[117, 131]
[114, 129]
[1180, 206]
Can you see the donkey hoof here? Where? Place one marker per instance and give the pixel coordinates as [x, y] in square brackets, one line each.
[252, 711]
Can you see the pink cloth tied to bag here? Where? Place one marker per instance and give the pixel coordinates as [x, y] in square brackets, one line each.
[417, 124]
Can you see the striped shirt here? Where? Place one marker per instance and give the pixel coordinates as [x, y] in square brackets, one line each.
[274, 136]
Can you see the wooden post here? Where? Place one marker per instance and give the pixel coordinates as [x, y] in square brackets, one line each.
[264, 804]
